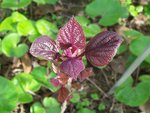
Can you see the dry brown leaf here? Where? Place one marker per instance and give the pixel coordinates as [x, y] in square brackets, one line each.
[145, 108]
[16, 63]
[26, 63]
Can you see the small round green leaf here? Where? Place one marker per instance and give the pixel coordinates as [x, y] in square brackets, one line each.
[101, 107]
[86, 110]
[75, 98]
[26, 28]
[95, 96]
[37, 108]
[46, 28]
[51, 105]
[7, 25]
[18, 17]
[10, 47]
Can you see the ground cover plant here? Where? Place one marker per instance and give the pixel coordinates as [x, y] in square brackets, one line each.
[66, 56]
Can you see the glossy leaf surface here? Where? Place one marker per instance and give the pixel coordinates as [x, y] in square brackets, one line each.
[44, 48]
[71, 34]
[72, 67]
[102, 48]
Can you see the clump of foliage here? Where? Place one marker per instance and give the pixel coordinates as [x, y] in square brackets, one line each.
[67, 52]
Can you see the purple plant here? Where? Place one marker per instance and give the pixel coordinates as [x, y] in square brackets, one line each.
[71, 40]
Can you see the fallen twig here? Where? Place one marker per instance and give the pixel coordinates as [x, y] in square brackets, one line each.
[97, 87]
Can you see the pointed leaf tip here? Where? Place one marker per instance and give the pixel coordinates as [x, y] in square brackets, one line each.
[102, 48]
[71, 34]
[72, 67]
[44, 48]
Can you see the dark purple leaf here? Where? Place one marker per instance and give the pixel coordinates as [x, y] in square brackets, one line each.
[44, 48]
[102, 48]
[85, 74]
[71, 34]
[72, 67]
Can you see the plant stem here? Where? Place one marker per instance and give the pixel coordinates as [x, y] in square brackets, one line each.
[63, 107]
[97, 87]
[131, 69]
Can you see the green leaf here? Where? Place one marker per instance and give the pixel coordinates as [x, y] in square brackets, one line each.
[145, 78]
[83, 103]
[139, 9]
[147, 10]
[33, 37]
[25, 84]
[10, 23]
[26, 28]
[51, 105]
[132, 10]
[45, 1]
[91, 30]
[7, 25]
[138, 46]
[18, 17]
[86, 110]
[132, 96]
[10, 47]
[15, 4]
[37, 108]
[95, 96]
[39, 73]
[128, 2]
[122, 49]
[109, 10]
[132, 34]
[101, 107]
[82, 20]
[75, 98]
[46, 28]
[8, 96]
